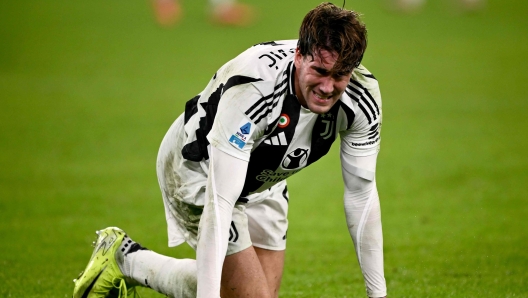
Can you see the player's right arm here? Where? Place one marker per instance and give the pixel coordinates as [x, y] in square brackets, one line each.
[225, 183]
[231, 139]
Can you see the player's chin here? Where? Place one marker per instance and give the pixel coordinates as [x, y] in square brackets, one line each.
[319, 110]
[321, 107]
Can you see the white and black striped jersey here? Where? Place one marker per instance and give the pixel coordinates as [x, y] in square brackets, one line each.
[249, 110]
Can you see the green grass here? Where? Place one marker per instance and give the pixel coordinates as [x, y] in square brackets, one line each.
[88, 89]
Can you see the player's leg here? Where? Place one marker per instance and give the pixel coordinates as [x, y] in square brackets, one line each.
[272, 262]
[268, 224]
[170, 276]
[242, 276]
[118, 263]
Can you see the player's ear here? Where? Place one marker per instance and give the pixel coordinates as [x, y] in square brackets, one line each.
[298, 58]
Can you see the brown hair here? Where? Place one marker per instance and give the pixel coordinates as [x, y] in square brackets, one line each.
[335, 29]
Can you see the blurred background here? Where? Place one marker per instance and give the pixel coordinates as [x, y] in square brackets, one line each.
[89, 88]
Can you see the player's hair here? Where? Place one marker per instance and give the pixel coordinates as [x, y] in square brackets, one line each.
[331, 28]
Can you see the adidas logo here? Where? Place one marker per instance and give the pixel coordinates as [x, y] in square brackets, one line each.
[278, 140]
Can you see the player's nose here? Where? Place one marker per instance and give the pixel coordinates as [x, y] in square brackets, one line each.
[327, 86]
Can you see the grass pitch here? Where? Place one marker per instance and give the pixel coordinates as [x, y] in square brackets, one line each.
[88, 89]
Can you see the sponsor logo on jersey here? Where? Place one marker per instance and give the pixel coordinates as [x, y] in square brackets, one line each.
[295, 159]
[284, 120]
[273, 177]
[278, 140]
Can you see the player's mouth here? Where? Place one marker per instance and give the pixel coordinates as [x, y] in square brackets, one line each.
[322, 98]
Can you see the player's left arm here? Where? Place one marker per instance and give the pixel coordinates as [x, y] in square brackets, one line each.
[359, 150]
[363, 215]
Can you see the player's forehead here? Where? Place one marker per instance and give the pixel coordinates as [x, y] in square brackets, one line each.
[323, 58]
[327, 61]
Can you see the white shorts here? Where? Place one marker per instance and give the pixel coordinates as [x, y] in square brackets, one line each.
[262, 222]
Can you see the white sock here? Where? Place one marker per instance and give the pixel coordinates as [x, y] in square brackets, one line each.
[166, 275]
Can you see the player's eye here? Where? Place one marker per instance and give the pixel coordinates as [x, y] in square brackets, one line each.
[340, 76]
[322, 71]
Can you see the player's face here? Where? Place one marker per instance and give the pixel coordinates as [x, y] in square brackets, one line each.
[316, 86]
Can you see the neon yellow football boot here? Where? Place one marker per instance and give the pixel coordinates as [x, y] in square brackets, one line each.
[102, 277]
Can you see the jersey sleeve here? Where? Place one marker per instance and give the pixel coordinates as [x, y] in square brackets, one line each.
[233, 131]
[363, 136]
